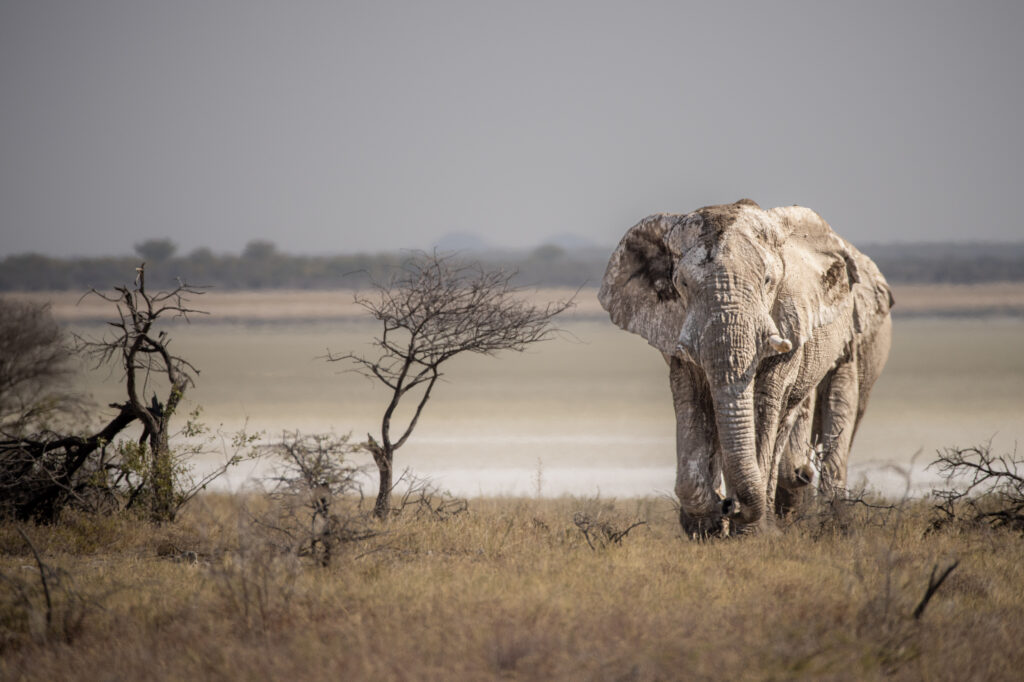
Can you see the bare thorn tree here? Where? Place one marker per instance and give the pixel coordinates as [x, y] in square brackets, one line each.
[150, 368]
[43, 468]
[434, 309]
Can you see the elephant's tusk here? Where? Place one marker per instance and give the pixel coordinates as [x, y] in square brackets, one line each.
[684, 353]
[779, 344]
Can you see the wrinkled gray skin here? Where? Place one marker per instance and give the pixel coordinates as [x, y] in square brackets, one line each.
[774, 329]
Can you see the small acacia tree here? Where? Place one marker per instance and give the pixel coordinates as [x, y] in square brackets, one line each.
[433, 309]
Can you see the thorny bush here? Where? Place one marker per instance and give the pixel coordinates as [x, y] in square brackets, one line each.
[983, 489]
[317, 496]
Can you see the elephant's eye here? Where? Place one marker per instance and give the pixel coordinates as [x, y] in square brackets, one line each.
[767, 280]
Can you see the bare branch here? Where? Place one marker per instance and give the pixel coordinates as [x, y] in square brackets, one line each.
[601, 530]
[933, 586]
[419, 409]
[42, 577]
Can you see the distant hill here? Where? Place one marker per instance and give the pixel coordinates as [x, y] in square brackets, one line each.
[572, 242]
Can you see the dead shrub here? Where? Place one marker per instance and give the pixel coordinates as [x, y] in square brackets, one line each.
[842, 513]
[600, 524]
[983, 489]
[421, 500]
[317, 497]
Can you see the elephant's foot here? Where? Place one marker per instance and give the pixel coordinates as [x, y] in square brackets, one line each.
[726, 522]
[793, 500]
[763, 526]
[713, 524]
[702, 527]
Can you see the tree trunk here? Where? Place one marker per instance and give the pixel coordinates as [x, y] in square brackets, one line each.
[383, 459]
[162, 478]
[383, 504]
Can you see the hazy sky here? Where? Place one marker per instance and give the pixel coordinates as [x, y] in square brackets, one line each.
[343, 126]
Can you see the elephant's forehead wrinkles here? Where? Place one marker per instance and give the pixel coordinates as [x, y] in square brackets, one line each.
[732, 228]
[739, 254]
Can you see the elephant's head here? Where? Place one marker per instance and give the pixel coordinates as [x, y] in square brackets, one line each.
[727, 287]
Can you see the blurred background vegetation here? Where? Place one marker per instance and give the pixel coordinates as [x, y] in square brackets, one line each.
[261, 265]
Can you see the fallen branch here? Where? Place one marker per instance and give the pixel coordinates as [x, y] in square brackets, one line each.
[933, 587]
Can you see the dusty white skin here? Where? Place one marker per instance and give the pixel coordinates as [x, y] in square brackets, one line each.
[774, 330]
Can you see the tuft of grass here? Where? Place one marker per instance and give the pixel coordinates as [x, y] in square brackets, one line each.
[512, 589]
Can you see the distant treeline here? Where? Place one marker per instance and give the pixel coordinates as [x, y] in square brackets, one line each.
[262, 266]
[947, 263]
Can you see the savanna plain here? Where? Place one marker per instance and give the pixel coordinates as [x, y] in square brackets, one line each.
[566, 562]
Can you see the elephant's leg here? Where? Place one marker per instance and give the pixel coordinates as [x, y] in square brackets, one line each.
[772, 425]
[797, 469]
[698, 470]
[839, 413]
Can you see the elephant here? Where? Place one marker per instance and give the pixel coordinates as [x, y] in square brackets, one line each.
[774, 330]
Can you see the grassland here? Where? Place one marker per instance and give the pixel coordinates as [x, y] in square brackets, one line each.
[513, 590]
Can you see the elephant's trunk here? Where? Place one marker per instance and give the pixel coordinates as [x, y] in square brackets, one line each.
[732, 346]
[734, 414]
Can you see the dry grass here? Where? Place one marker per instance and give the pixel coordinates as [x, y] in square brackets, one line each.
[513, 590]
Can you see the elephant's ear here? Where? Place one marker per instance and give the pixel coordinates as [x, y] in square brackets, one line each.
[820, 273]
[637, 287]
[872, 299]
